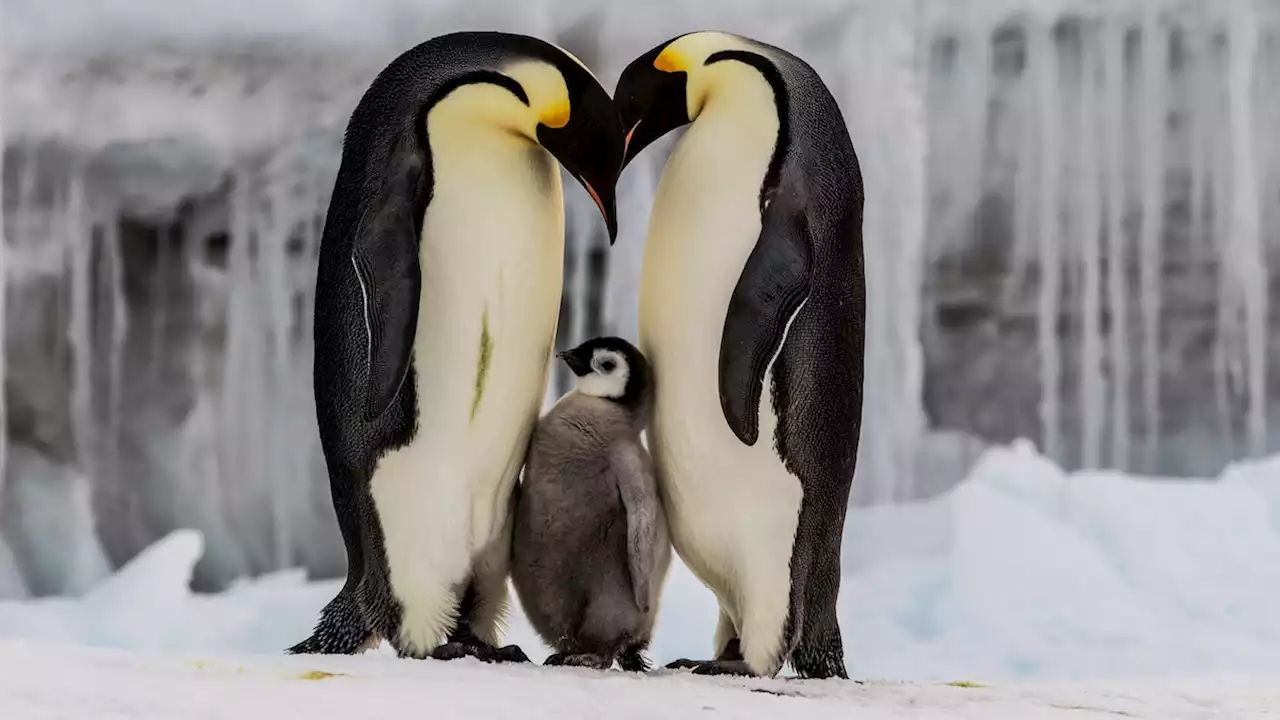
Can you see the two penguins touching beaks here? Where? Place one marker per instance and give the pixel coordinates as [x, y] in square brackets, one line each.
[437, 302]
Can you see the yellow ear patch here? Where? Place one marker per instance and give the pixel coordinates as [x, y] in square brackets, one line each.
[556, 116]
[669, 60]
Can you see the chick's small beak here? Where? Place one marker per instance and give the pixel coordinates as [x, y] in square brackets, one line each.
[575, 362]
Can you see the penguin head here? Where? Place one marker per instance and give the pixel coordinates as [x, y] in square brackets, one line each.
[610, 368]
[572, 116]
[664, 88]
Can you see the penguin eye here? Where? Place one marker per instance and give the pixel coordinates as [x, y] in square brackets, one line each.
[607, 366]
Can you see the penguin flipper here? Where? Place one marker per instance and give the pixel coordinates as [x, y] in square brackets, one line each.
[385, 256]
[639, 491]
[773, 284]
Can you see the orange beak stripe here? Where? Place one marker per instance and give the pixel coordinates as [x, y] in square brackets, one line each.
[592, 191]
[627, 143]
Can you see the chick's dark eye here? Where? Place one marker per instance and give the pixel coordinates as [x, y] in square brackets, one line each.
[607, 366]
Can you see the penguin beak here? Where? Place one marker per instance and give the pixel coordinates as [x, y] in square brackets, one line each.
[590, 148]
[651, 103]
[575, 363]
[608, 205]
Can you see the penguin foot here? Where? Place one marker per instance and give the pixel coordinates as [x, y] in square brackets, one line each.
[724, 667]
[587, 660]
[510, 654]
[456, 650]
[732, 653]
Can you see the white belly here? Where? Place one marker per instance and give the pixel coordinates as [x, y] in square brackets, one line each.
[492, 250]
[732, 509]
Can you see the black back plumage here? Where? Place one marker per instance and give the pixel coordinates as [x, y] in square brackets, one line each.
[809, 258]
[796, 313]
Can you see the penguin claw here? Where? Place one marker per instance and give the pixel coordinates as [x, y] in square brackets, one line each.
[724, 667]
[685, 664]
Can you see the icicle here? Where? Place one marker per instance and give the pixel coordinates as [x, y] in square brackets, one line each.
[892, 145]
[1198, 106]
[240, 394]
[4, 289]
[277, 291]
[113, 287]
[1044, 65]
[1215, 98]
[1155, 46]
[160, 284]
[1245, 235]
[1091, 397]
[958, 137]
[1025, 250]
[1113, 66]
[975, 71]
[77, 233]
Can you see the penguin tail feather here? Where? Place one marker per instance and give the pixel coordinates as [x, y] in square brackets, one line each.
[820, 660]
[341, 629]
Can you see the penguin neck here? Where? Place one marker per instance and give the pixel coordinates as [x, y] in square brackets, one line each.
[465, 133]
[624, 419]
[725, 153]
[487, 166]
[483, 112]
[733, 113]
[732, 88]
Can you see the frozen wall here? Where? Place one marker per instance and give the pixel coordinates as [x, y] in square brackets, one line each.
[167, 167]
[1101, 225]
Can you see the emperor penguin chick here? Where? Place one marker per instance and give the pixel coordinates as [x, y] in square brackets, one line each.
[591, 548]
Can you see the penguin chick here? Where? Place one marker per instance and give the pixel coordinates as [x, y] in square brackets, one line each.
[591, 548]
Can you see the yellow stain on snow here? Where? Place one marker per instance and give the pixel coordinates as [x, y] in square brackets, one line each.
[965, 684]
[319, 675]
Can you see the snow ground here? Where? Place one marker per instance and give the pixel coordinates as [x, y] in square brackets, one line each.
[44, 682]
[1023, 575]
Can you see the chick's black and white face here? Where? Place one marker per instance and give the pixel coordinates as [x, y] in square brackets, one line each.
[608, 375]
[610, 368]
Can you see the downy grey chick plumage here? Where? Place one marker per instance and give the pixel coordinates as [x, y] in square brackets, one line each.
[591, 548]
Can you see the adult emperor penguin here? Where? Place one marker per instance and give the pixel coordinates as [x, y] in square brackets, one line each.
[436, 309]
[752, 287]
